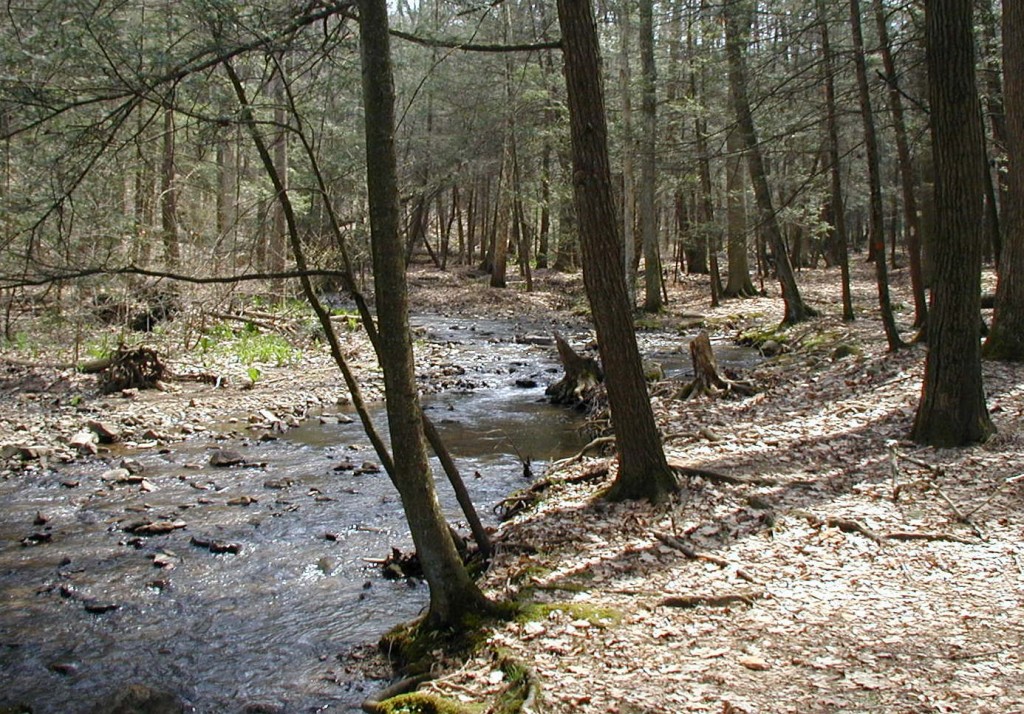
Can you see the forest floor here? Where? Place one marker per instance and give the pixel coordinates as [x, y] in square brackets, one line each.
[814, 561]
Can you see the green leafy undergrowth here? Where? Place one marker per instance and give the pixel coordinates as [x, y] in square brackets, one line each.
[248, 345]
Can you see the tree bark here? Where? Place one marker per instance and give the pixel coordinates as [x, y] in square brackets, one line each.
[739, 283]
[453, 595]
[835, 173]
[629, 258]
[643, 471]
[877, 225]
[952, 409]
[648, 178]
[906, 169]
[1006, 337]
[169, 194]
[738, 16]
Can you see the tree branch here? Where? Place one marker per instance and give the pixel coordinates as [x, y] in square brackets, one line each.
[471, 47]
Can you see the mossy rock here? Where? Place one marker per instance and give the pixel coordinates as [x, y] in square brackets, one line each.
[758, 337]
[843, 350]
[653, 371]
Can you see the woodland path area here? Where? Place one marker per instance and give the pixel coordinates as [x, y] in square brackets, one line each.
[815, 561]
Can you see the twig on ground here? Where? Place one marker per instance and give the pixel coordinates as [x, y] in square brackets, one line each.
[599, 441]
[938, 472]
[676, 544]
[746, 598]
[718, 477]
[848, 525]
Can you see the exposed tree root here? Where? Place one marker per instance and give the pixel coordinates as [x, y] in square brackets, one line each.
[373, 703]
[745, 598]
[676, 544]
[528, 497]
[582, 375]
[138, 368]
[848, 525]
[593, 444]
[718, 477]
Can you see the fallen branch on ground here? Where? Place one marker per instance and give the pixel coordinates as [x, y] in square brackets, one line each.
[848, 525]
[718, 477]
[599, 441]
[746, 598]
[676, 544]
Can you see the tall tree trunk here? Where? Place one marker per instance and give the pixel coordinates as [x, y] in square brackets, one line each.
[628, 177]
[738, 17]
[278, 234]
[169, 193]
[997, 195]
[1006, 338]
[453, 594]
[648, 177]
[835, 173]
[739, 283]
[544, 230]
[707, 227]
[643, 470]
[227, 184]
[906, 169]
[952, 409]
[877, 226]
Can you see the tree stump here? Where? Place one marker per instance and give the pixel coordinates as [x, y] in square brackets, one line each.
[706, 379]
[582, 375]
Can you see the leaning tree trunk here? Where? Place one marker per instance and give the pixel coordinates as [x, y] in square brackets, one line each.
[643, 470]
[877, 225]
[453, 594]
[737, 23]
[906, 166]
[952, 409]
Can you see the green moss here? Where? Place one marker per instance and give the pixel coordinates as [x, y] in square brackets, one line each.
[596, 616]
[412, 646]
[758, 336]
[511, 699]
[843, 350]
[819, 339]
[421, 703]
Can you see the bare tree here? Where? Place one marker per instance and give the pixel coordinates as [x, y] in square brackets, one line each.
[643, 470]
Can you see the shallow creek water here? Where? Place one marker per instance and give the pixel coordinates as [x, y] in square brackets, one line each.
[94, 607]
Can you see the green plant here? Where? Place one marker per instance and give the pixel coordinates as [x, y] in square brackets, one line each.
[254, 374]
[265, 348]
[100, 349]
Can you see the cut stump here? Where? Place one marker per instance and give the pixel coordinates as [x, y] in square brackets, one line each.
[706, 379]
[582, 375]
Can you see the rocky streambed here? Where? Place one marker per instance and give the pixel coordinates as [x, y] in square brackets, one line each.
[217, 548]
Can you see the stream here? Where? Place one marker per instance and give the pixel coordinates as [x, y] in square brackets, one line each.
[254, 589]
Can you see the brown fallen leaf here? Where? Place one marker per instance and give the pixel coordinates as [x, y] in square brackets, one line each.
[753, 662]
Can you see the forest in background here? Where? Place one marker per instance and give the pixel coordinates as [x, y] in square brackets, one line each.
[124, 149]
